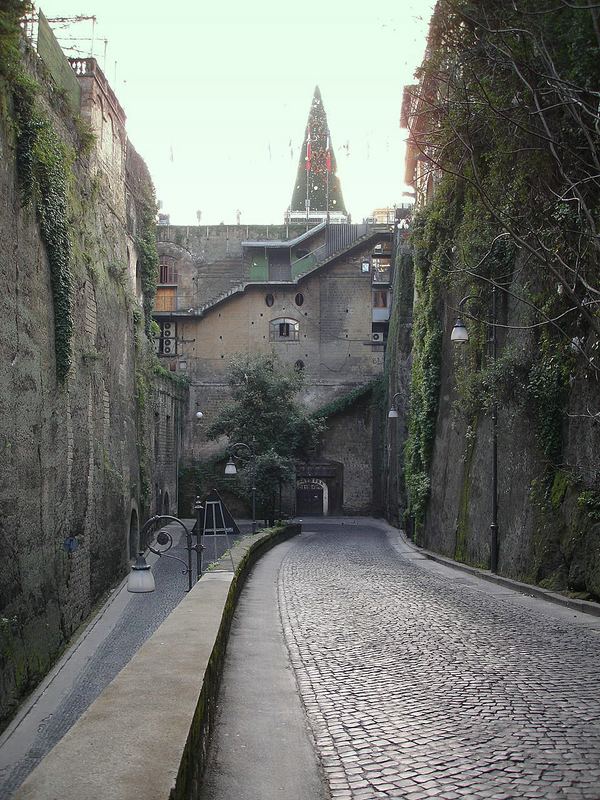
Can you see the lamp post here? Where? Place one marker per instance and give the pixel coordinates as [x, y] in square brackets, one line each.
[393, 412]
[140, 578]
[231, 469]
[458, 336]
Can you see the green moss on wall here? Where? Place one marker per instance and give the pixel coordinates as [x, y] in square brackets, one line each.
[44, 162]
[429, 245]
[347, 401]
[462, 528]
[148, 257]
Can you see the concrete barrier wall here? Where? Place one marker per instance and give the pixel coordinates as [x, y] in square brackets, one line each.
[146, 735]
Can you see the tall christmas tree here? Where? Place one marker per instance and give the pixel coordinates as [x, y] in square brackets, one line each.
[317, 185]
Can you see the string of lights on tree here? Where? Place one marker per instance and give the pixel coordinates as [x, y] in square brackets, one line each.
[317, 166]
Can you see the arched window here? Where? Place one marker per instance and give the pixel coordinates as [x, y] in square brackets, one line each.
[284, 329]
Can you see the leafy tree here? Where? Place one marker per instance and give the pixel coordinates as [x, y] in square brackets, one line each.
[264, 414]
[507, 110]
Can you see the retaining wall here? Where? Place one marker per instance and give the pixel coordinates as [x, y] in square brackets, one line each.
[147, 734]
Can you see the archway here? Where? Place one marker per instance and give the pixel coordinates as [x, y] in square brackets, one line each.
[312, 497]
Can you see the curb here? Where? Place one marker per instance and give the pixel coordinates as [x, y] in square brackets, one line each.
[193, 762]
[583, 606]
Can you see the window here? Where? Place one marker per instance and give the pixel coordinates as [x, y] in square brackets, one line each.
[167, 272]
[299, 299]
[380, 299]
[284, 330]
[269, 300]
[299, 365]
[381, 270]
[365, 266]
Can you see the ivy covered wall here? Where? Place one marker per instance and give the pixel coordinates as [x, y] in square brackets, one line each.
[76, 439]
[503, 117]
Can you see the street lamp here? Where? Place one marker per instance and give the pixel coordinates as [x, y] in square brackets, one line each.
[140, 578]
[459, 335]
[393, 412]
[247, 454]
[230, 468]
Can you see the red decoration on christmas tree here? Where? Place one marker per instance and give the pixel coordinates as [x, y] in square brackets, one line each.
[317, 187]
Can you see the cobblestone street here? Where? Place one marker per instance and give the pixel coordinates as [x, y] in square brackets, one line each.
[420, 682]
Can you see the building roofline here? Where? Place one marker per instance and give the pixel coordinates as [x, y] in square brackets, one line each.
[289, 242]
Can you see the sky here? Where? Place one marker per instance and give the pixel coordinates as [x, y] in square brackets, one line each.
[217, 95]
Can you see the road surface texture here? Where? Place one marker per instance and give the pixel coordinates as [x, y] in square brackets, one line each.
[418, 680]
[92, 663]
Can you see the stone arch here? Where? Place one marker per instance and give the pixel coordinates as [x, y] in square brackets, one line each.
[307, 484]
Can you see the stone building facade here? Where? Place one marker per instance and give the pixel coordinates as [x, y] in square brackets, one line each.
[319, 299]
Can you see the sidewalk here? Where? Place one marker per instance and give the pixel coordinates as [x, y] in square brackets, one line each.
[262, 748]
[110, 639]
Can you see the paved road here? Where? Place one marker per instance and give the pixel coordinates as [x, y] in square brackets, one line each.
[422, 682]
[91, 665]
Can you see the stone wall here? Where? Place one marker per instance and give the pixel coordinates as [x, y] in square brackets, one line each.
[349, 441]
[548, 515]
[397, 384]
[71, 489]
[169, 408]
[334, 343]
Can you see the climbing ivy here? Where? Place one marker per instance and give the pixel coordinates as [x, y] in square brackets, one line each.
[182, 381]
[11, 12]
[148, 256]
[547, 391]
[347, 401]
[426, 365]
[43, 163]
